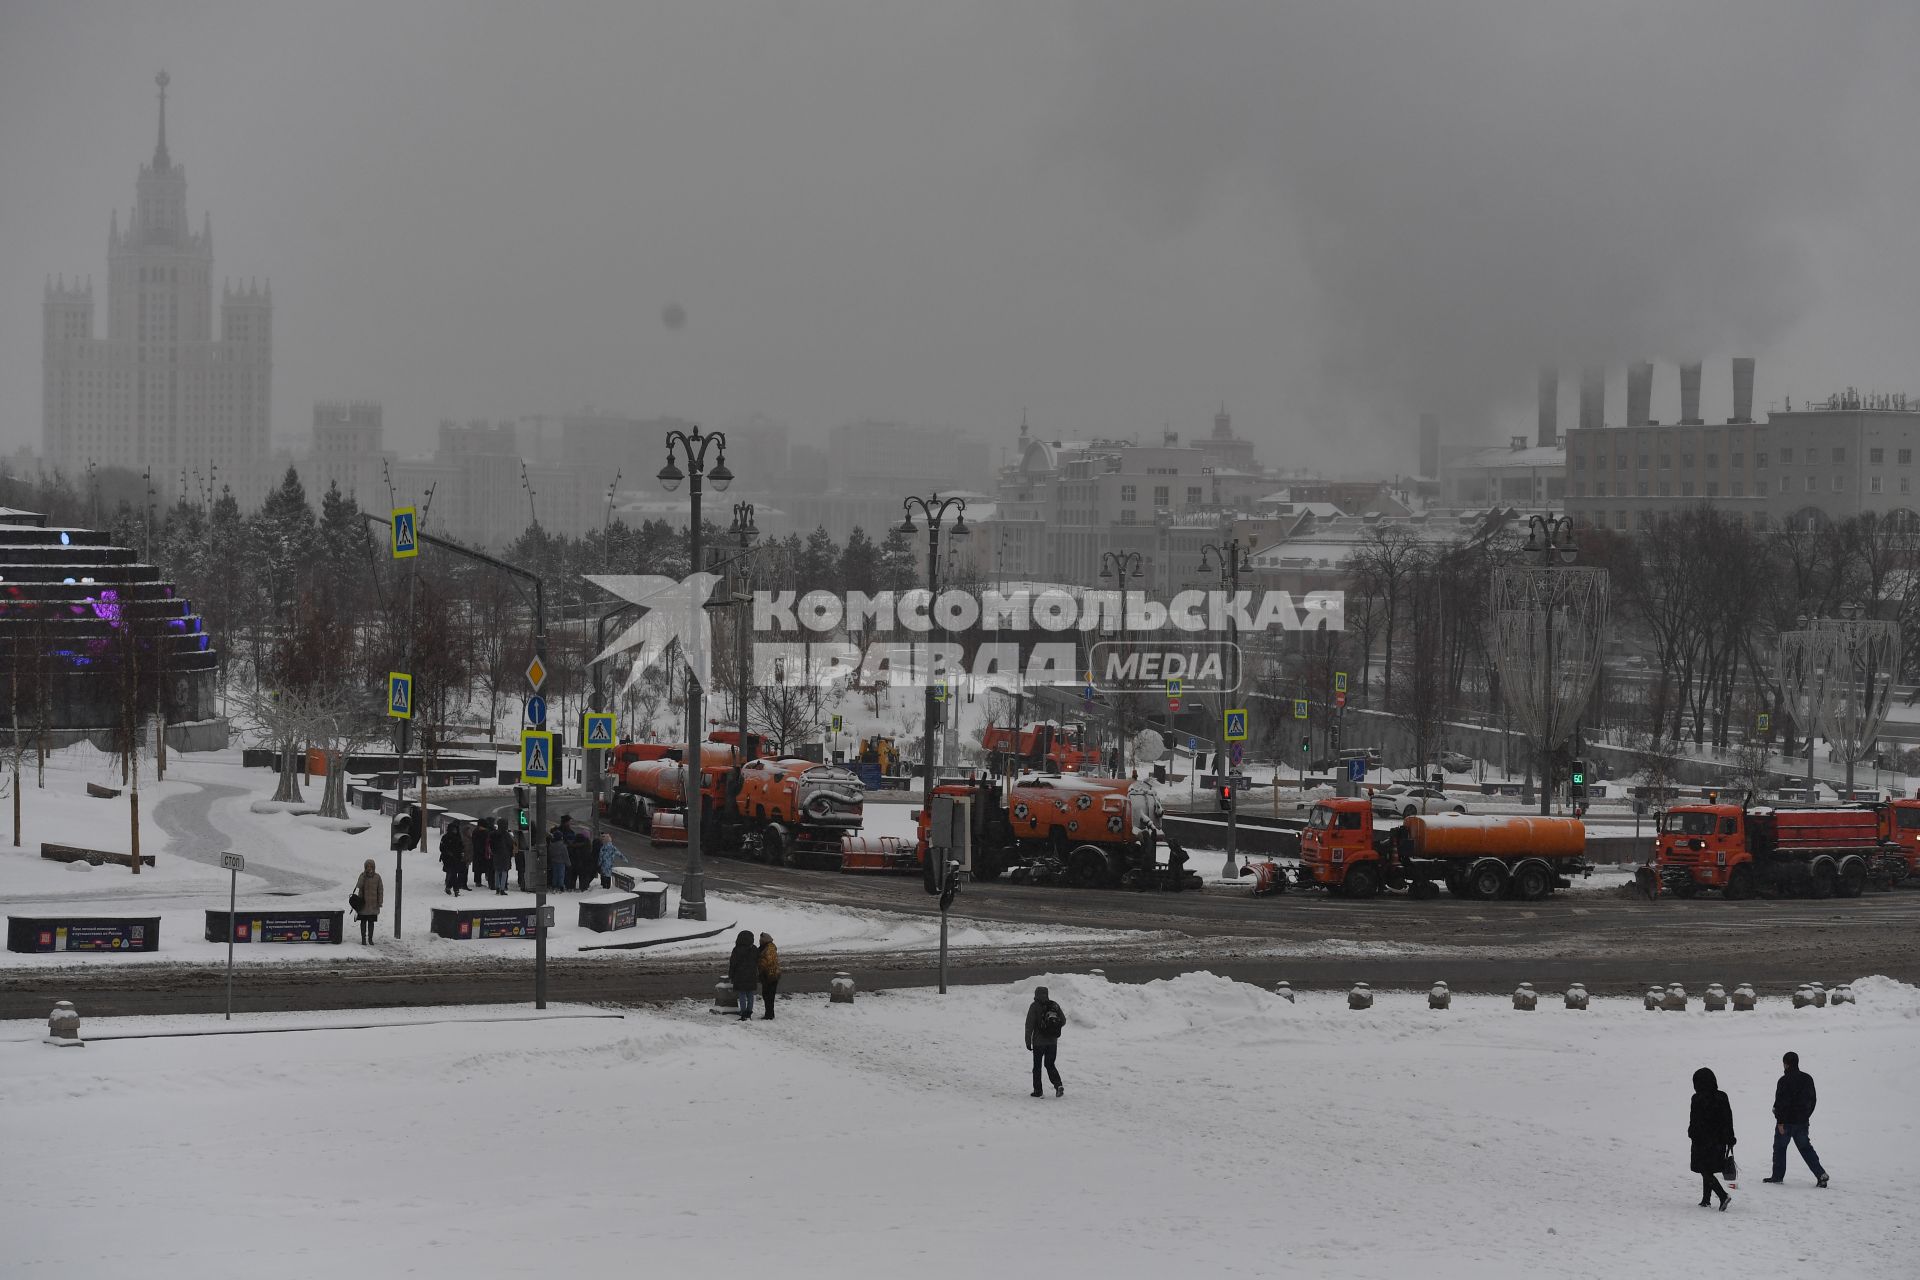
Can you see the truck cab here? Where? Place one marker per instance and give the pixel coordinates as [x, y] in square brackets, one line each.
[1702, 844]
[1339, 833]
[1900, 828]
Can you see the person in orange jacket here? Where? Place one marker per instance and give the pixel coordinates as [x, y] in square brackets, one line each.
[769, 974]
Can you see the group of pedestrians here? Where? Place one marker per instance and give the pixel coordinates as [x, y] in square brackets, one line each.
[754, 965]
[1710, 1129]
[481, 854]
[575, 860]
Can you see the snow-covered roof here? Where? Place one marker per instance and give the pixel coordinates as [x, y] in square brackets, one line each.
[1492, 459]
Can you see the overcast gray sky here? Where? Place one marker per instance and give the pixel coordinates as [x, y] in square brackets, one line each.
[1113, 214]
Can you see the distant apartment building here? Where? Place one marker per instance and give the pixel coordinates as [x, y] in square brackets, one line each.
[1521, 474]
[348, 451]
[1833, 460]
[159, 391]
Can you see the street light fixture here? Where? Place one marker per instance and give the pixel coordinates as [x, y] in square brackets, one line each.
[933, 508]
[1551, 538]
[744, 532]
[1116, 563]
[693, 446]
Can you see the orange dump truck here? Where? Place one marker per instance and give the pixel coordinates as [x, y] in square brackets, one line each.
[1900, 829]
[1815, 852]
[1480, 856]
[1045, 745]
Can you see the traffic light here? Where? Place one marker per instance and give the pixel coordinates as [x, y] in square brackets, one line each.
[1577, 781]
[520, 806]
[404, 834]
[1306, 744]
[1226, 797]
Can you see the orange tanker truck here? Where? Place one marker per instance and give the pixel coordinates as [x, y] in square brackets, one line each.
[1064, 828]
[788, 811]
[1043, 746]
[1741, 851]
[1344, 849]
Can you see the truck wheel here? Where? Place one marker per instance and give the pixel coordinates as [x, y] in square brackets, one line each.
[1740, 883]
[1362, 881]
[1532, 882]
[1820, 879]
[1087, 868]
[774, 848]
[1423, 891]
[1457, 882]
[1486, 881]
[1852, 877]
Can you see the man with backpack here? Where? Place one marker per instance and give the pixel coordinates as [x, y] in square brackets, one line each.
[1045, 1021]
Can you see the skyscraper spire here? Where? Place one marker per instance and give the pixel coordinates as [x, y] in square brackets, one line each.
[160, 159]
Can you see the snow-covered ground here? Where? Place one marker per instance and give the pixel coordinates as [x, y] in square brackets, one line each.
[1209, 1129]
[207, 806]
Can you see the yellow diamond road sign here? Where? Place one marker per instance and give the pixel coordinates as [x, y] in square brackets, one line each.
[536, 673]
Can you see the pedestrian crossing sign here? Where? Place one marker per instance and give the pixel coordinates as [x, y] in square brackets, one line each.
[836, 723]
[399, 695]
[406, 534]
[536, 757]
[599, 729]
[1299, 708]
[1236, 726]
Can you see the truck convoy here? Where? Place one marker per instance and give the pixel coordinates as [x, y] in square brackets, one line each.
[1814, 852]
[1344, 849]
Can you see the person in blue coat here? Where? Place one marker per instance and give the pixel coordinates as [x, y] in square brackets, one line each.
[607, 854]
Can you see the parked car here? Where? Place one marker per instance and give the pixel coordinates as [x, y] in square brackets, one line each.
[1405, 799]
[1454, 762]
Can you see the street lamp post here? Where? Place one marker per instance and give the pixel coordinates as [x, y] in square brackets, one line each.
[1230, 559]
[1551, 537]
[744, 532]
[693, 446]
[1118, 566]
[933, 509]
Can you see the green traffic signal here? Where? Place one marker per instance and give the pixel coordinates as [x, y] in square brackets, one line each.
[1306, 745]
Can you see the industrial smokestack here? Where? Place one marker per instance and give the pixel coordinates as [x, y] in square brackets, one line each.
[1690, 394]
[1640, 393]
[1548, 434]
[1593, 398]
[1742, 389]
[1430, 445]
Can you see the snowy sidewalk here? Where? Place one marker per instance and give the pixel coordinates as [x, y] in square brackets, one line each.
[1209, 1129]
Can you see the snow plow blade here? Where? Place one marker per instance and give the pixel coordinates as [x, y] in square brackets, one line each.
[878, 853]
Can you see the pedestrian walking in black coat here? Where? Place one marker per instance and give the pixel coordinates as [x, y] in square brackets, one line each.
[453, 858]
[481, 837]
[1710, 1128]
[1793, 1102]
[1045, 1021]
[743, 971]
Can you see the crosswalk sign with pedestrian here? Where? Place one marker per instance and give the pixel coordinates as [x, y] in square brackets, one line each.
[599, 729]
[1236, 726]
[536, 757]
[399, 695]
[406, 534]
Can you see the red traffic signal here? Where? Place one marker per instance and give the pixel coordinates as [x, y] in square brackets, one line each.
[1226, 797]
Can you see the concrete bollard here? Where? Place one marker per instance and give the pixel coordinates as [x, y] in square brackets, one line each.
[1654, 997]
[1576, 995]
[841, 988]
[1284, 990]
[1842, 994]
[1525, 997]
[724, 997]
[1097, 973]
[1675, 1001]
[1361, 997]
[1440, 997]
[1743, 998]
[1716, 998]
[1819, 995]
[1803, 996]
[63, 1025]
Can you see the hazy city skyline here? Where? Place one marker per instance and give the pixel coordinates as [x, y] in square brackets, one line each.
[1111, 216]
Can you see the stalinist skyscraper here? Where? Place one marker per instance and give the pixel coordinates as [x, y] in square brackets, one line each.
[159, 390]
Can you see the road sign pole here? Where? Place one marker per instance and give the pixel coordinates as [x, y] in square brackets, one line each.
[233, 862]
[540, 820]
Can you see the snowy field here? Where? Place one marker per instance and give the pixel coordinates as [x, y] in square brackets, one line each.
[1209, 1129]
[207, 806]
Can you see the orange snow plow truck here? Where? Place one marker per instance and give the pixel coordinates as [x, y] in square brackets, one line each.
[790, 812]
[1045, 746]
[1817, 853]
[1344, 849]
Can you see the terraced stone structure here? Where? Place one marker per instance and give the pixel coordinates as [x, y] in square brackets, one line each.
[79, 618]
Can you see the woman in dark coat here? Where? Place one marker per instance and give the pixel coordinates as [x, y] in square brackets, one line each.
[743, 970]
[1710, 1127]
